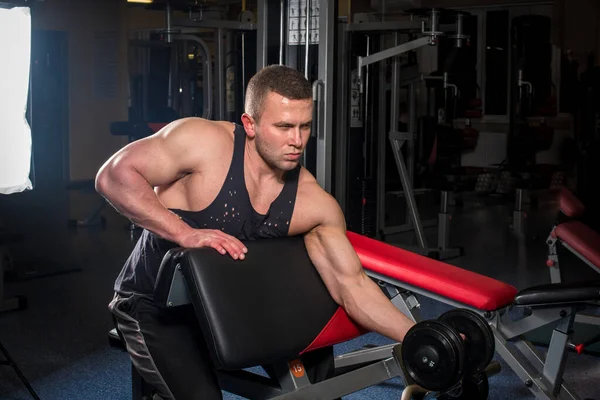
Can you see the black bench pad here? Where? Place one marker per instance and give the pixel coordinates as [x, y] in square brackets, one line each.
[271, 306]
[559, 293]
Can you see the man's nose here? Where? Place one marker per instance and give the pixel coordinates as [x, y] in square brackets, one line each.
[296, 137]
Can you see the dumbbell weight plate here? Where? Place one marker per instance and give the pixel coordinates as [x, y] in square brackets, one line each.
[433, 355]
[479, 338]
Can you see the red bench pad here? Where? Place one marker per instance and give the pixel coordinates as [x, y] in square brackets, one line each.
[581, 238]
[569, 204]
[443, 279]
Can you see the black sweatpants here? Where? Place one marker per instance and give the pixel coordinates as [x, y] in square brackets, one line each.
[167, 349]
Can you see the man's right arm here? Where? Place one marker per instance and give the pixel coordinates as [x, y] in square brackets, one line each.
[127, 180]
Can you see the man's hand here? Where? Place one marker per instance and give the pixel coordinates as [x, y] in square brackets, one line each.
[215, 239]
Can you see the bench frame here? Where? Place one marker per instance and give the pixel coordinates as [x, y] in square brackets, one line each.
[553, 263]
[354, 371]
[541, 373]
[556, 274]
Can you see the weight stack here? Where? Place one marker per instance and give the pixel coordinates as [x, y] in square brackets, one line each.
[533, 51]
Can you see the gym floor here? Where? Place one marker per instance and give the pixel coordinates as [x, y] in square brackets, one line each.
[60, 340]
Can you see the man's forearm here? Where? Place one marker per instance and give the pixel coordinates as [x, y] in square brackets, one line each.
[366, 304]
[131, 195]
[340, 268]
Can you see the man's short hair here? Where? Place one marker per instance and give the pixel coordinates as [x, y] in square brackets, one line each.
[283, 80]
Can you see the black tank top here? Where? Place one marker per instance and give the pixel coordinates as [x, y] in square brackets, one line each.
[231, 212]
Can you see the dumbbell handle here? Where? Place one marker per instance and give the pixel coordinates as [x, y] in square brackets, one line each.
[492, 369]
[410, 390]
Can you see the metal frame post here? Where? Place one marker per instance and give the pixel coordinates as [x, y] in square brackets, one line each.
[397, 143]
[327, 39]
[444, 222]
[341, 127]
[519, 215]
[220, 76]
[261, 37]
[552, 262]
[381, 148]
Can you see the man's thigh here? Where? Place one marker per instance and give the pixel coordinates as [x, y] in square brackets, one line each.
[167, 349]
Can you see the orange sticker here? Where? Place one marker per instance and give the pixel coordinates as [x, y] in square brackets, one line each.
[297, 368]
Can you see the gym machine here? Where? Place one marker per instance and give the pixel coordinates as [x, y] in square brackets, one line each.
[533, 103]
[402, 141]
[302, 34]
[174, 74]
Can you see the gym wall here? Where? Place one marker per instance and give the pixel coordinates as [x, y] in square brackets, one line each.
[97, 79]
[577, 24]
[93, 28]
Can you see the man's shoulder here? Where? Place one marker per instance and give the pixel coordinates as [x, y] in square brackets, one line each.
[311, 194]
[202, 129]
[315, 207]
[307, 184]
[204, 138]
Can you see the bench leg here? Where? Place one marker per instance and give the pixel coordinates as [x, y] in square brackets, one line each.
[554, 365]
[444, 218]
[519, 215]
[541, 374]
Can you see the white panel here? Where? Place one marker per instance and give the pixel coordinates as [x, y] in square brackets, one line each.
[15, 133]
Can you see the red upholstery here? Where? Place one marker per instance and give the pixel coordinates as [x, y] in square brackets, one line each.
[581, 238]
[339, 329]
[443, 279]
[569, 204]
[156, 126]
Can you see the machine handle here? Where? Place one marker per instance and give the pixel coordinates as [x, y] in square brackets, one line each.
[206, 74]
[317, 97]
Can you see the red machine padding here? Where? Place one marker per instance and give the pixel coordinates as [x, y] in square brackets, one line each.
[569, 204]
[443, 279]
[339, 329]
[581, 238]
[156, 126]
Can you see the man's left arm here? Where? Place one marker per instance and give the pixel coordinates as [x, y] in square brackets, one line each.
[339, 266]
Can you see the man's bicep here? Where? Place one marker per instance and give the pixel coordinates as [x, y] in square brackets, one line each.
[332, 253]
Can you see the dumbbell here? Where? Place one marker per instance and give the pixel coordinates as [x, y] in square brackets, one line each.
[437, 358]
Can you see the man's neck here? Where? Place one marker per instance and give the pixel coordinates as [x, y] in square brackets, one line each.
[258, 169]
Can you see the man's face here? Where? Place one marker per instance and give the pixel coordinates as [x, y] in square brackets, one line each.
[283, 130]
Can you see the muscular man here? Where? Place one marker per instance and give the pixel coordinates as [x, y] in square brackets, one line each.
[200, 183]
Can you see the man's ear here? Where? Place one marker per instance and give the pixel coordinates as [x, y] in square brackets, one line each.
[249, 125]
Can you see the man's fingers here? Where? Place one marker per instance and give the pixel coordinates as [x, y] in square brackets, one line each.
[238, 248]
[229, 246]
[217, 246]
[225, 244]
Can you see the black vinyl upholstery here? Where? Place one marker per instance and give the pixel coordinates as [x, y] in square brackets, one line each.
[559, 293]
[266, 308]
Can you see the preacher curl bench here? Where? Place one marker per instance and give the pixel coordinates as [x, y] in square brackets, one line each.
[572, 234]
[272, 313]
